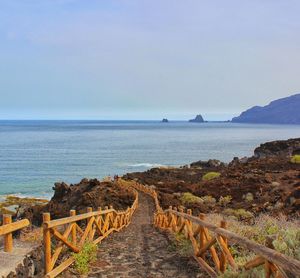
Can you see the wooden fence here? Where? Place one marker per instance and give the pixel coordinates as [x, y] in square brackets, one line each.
[208, 238]
[67, 233]
[8, 228]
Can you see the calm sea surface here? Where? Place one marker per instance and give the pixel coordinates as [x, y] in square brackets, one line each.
[35, 154]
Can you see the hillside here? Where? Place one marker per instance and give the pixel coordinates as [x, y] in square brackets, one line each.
[281, 111]
[258, 184]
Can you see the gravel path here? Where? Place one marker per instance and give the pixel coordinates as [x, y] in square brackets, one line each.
[140, 250]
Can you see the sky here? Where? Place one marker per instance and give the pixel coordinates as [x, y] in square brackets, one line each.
[138, 59]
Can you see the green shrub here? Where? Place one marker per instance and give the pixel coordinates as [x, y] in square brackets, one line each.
[188, 198]
[240, 214]
[209, 200]
[249, 197]
[296, 158]
[182, 245]
[224, 201]
[210, 176]
[87, 255]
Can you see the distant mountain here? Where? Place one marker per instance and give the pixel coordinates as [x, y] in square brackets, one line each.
[198, 119]
[280, 111]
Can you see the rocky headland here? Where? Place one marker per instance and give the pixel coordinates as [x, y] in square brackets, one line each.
[280, 111]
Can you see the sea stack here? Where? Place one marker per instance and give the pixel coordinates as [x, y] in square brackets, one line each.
[198, 119]
[165, 121]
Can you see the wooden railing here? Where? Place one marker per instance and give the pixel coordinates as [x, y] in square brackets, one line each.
[8, 228]
[68, 233]
[206, 237]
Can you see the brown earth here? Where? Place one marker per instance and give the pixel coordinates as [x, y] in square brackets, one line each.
[273, 182]
[88, 193]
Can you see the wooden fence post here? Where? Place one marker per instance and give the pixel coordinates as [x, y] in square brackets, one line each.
[90, 234]
[202, 236]
[188, 224]
[8, 241]
[47, 243]
[223, 259]
[74, 236]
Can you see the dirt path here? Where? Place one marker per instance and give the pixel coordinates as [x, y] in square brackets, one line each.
[140, 250]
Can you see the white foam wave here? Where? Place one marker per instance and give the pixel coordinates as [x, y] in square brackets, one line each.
[146, 165]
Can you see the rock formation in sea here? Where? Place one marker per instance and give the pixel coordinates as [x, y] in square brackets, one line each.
[197, 119]
[165, 120]
[280, 111]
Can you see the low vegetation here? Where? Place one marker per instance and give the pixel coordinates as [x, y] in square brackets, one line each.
[188, 198]
[209, 200]
[239, 214]
[224, 201]
[248, 197]
[181, 244]
[86, 256]
[296, 159]
[210, 176]
[283, 235]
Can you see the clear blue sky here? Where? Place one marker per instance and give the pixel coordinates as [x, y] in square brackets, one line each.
[137, 59]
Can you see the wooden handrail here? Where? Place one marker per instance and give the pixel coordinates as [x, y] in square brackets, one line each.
[178, 221]
[99, 225]
[8, 228]
[70, 219]
[280, 259]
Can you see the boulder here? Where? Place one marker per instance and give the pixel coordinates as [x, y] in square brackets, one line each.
[278, 148]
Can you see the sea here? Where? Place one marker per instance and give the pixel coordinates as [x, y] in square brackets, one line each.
[36, 154]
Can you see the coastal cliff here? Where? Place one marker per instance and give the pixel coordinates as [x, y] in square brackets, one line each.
[281, 111]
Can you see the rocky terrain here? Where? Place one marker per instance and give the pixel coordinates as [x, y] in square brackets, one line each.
[267, 182]
[87, 193]
[283, 148]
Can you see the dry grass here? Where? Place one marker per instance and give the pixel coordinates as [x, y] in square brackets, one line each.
[285, 236]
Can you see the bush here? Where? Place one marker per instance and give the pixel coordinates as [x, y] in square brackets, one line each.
[296, 158]
[249, 197]
[210, 176]
[209, 200]
[188, 198]
[224, 201]
[87, 255]
[182, 245]
[240, 214]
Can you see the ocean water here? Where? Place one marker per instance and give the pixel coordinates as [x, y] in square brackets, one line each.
[36, 154]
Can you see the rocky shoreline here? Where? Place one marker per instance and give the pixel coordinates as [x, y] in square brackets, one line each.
[268, 183]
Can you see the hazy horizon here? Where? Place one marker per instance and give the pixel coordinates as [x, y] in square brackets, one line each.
[148, 60]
